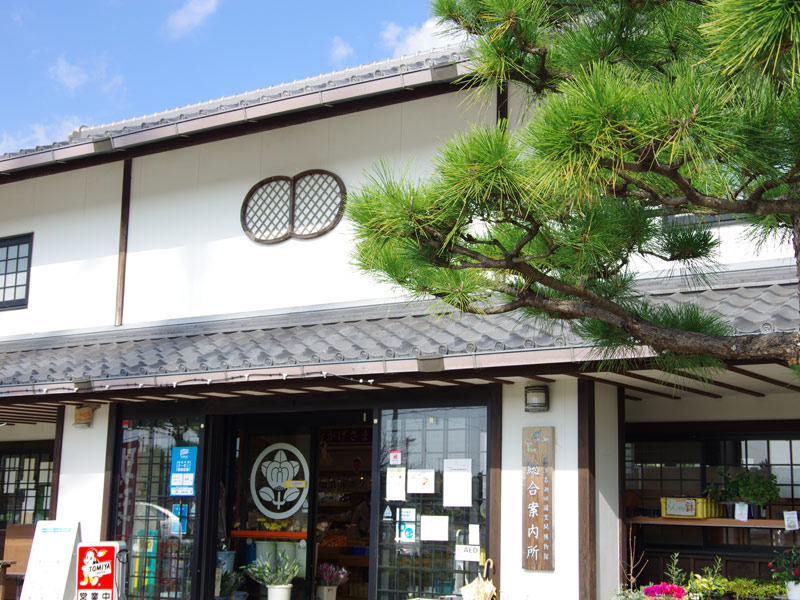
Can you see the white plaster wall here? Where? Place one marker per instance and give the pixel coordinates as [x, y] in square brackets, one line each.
[80, 486]
[607, 490]
[731, 407]
[16, 433]
[517, 583]
[74, 218]
[187, 253]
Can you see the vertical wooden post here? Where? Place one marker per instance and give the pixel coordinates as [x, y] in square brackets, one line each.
[495, 471]
[125, 211]
[57, 444]
[587, 511]
[623, 524]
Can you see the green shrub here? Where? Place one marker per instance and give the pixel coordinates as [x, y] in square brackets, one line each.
[754, 588]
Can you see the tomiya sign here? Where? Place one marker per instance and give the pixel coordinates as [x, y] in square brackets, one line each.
[97, 571]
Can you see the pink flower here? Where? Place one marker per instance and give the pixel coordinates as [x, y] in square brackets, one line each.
[665, 590]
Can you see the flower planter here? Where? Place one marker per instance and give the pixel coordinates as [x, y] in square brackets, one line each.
[793, 590]
[279, 592]
[326, 592]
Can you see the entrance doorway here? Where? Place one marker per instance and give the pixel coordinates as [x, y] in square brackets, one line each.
[396, 492]
[298, 486]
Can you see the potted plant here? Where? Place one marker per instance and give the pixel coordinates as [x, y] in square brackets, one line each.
[229, 587]
[785, 567]
[725, 492]
[276, 575]
[757, 488]
[329, 577]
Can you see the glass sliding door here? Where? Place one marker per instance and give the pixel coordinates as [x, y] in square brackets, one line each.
[157, 504]
[433, 500]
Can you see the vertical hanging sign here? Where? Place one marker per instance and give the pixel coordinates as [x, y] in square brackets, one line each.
[538, 466]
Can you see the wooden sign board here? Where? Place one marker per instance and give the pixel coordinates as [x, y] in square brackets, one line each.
[538, 467]
[51, 566]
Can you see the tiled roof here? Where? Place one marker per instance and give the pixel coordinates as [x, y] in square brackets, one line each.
[94, 139]
[755, 301]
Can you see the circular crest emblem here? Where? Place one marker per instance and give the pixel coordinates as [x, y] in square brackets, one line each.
[279, 481]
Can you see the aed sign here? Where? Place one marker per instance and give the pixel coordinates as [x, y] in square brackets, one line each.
[96, 571]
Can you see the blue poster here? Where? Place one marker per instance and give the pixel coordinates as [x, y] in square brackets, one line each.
[182, 473]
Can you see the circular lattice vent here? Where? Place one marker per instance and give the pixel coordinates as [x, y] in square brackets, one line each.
[304, 206]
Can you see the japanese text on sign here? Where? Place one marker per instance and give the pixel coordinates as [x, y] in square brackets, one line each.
[538, 465]
[182, 473]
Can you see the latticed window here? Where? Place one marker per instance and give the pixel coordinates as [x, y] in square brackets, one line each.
[304, 206]
[26, 479]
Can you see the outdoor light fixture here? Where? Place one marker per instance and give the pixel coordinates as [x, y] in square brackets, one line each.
[537, 398]
[84, 415]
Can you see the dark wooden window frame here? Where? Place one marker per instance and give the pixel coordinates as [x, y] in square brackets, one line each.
[16, 240]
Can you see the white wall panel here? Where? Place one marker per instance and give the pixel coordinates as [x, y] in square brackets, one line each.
[188, 255]
[517, 583]
[80, 486]
[74, 218]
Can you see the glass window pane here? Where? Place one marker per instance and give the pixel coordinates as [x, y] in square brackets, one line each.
[11, 266]
[756, 452]
[2, 267]
[12, 251]
[429, 567]
[20, 293]
[779, 452]
[11, 280]
[24, 249]
[8, 294]
[22, 278]
[22, 264]
[158, 528]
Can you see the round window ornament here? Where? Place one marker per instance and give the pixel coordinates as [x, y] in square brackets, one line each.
[279, 481]
[305, 206]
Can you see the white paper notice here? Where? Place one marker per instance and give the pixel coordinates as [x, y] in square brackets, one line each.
[790, 520]
[396, 483]
[420, 481]
[434, 529]
[468, 553]
[474, 534]
[457, 482]
[740, 511]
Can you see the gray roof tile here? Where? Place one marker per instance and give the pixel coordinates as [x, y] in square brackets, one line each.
[765, 303]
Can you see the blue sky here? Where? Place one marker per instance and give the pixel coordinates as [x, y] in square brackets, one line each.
[87, 62]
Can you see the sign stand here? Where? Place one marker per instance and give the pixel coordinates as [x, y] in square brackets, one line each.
[51, 566]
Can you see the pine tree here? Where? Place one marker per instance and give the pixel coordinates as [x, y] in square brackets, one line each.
[639, 110]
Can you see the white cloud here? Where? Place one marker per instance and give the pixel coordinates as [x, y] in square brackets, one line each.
[39, 134]
[70, 76]
[408, 40]
[189, 16]
[114, 86]
[340, 49]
